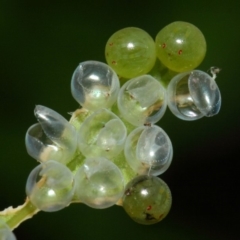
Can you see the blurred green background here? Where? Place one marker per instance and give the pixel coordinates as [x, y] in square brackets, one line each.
[42, 42]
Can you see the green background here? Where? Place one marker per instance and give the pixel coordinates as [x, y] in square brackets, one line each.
[42, 42]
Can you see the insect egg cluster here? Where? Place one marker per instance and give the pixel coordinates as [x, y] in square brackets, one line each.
[113, 149]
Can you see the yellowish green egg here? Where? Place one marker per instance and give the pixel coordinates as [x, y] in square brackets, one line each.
[130, 52]
[180, 46]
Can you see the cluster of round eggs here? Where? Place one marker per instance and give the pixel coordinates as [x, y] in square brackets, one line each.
[111, 151]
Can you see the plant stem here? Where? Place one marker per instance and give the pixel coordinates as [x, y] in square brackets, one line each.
[13, 217]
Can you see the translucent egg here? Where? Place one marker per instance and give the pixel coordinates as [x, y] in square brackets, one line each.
[94, 85]
[147, 199]
[5, 232]
[102, 134]
[50, 186]
[99, 183]
[52, 138]
[131, 52]
[192, 95]
[148, 150]
[142, 100]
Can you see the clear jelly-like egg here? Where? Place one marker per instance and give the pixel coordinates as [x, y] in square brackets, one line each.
[142, 100]
[50, 186]
[102, 134]
[148, 150]
[94, 85]
[53, 138]
[193, 95]
[99, 183]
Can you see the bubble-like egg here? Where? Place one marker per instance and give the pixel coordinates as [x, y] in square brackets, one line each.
[99, 183]
[94, 85]
[142, 100]
[50, 186]
[102, 134]
[193, 95]
[148, 150]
